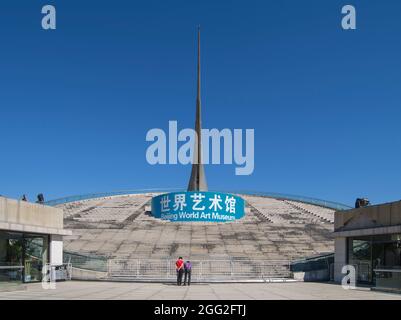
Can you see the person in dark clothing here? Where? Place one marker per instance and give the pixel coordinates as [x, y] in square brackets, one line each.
[41, 198]
[179, 266]
[362, 202]
[24, 198]
[187, 270]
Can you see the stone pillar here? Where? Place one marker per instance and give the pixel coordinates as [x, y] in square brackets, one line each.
[340, 257]
[56, 249]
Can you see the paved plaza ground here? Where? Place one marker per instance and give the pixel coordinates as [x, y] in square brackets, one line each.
[228, 291]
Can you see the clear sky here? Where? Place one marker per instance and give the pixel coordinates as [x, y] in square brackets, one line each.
[76, 103]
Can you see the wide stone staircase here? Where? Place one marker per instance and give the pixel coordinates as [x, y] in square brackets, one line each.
[273, 232]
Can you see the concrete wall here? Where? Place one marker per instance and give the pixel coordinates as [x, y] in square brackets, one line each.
[340, 257]
[388, 214]
[30, 217]
[56, 249]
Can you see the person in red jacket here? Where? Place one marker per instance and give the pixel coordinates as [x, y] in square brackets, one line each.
[179, 266]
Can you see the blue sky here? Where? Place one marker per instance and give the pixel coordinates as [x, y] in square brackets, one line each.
[76, 103]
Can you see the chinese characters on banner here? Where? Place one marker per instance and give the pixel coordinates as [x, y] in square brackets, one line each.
[198, 206]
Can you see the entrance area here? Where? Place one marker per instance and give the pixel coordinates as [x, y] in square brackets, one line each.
[22, 256]
[371, 253]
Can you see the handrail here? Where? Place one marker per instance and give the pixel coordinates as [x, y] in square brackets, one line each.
[202, 270]
[304, 199]
[387, 270]
[314, 258]
[11, 267]
[89, 196]
[314, 201]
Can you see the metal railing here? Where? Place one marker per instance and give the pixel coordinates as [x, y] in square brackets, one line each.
[89, 196]
[11, 273]
[202, 270]
[281, 196]
[54, 272]
[87, 262]
[388, 279]
[319, 262]
[58, 272]
[314, 201]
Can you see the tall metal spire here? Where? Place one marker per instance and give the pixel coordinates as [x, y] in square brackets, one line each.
[197, 182]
